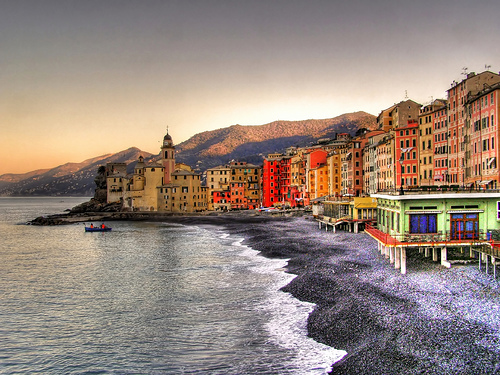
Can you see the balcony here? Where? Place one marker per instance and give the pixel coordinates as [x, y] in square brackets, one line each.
[435, 189]
[488, 244]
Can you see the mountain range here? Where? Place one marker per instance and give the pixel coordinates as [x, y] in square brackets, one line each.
[204, 150]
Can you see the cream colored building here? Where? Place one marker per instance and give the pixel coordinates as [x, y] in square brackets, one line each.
[218, 180]
[162, 185]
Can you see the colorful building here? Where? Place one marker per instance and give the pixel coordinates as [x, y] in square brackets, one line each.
[426, 140]
[436, 223]
[406, 153]
[245, 185]
[459, 134]
[483, 133]
[159, 186]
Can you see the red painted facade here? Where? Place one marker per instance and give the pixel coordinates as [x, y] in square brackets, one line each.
[406, 149]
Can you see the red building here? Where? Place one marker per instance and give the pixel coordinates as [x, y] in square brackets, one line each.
[315, 160]
[222, 200]
[238, 198]
[406, 155]
[276, 177]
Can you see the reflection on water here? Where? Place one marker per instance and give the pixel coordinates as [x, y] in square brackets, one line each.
[144, 298]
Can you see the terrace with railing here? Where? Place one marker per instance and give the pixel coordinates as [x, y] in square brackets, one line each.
[490, 241]
[435, 189]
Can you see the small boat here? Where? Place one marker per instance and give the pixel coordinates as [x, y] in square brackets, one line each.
[98, 229]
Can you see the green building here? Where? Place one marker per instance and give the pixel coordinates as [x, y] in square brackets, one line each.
[436, 221]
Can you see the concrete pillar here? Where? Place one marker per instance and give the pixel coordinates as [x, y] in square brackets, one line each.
[426, 253]
[397, 261]
[471, 253]
[480, 260]
[391, 254]
[420, 250]
[326, 227]
[356, 227]
[334, 229]
[444, 257]
[434, 254]
[319, 223]
[487, 266]
[494, 264]
[403, 261]
[386, 251]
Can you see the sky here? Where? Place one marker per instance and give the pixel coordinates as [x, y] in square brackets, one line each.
[83, 78]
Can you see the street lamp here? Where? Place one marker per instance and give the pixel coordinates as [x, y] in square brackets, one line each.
[401, 191]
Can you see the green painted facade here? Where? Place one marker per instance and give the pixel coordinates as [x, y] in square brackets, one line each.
[438, 216]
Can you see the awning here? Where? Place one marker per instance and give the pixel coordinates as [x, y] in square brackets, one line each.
[485, 182]
[438, 177]
[464, 211]
[423, 212]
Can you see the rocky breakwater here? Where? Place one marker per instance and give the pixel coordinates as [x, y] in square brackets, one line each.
[92, 210]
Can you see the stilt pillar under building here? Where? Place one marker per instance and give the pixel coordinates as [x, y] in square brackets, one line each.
[397, 260]
[403, 261]
[391, 254]
[444, 257]
[434, 254]
[426, 252]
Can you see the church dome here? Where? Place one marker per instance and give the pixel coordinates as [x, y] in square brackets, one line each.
[167, 137]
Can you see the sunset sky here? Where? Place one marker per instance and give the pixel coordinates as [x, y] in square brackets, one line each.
[84, 78]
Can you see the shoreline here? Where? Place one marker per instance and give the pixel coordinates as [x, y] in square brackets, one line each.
[432, 320]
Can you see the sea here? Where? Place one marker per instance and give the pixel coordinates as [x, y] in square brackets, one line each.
[145, 298]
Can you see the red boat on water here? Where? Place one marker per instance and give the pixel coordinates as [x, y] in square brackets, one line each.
[101, 228]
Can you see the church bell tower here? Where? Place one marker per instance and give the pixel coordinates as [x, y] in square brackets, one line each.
[168, 158]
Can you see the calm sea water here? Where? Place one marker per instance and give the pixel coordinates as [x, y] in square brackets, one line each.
[146, 298]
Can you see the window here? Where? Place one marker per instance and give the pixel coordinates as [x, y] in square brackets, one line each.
[423, 223]
[464, 226]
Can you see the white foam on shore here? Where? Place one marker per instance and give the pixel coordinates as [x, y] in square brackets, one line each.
[287, 325]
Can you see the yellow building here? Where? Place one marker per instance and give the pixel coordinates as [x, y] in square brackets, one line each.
[160, 186]
[245, 185]
[183, 194]
[334, 173]
[318, 181]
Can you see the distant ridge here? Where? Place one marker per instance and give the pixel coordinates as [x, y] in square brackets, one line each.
[202, 151]
[251, 142]
[70, 179]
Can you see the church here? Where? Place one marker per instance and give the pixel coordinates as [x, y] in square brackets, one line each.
[161, 186]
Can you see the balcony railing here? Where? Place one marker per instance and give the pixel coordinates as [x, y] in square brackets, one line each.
[443, 189]
[483, 239]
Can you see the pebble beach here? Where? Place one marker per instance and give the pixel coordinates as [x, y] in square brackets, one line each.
[431, 321]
